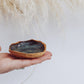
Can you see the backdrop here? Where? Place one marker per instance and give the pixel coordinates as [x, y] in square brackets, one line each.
[66, 42]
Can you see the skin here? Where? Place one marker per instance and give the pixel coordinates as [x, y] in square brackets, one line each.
[9, 63]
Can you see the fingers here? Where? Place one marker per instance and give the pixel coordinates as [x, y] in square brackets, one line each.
[46, 56]
[4, 55]
[21, 63]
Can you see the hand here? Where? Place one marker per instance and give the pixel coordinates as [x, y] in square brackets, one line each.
[9, 63]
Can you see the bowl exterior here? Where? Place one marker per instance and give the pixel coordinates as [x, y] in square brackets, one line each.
[26, 55]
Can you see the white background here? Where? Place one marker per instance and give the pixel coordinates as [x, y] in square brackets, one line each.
[67, 46]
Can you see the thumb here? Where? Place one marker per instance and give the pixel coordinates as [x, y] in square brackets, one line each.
[0, 48]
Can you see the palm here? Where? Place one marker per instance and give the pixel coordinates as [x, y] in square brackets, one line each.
[8, 62]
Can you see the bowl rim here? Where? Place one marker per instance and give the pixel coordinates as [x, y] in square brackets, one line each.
[27, 41]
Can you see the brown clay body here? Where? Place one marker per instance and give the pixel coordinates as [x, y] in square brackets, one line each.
[21, 54]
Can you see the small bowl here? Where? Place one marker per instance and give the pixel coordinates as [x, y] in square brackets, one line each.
[28, 49]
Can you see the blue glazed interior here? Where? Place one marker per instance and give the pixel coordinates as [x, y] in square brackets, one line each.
[30, 46]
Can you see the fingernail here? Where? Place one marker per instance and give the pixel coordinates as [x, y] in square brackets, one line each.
[0, 48]
[50, 54]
